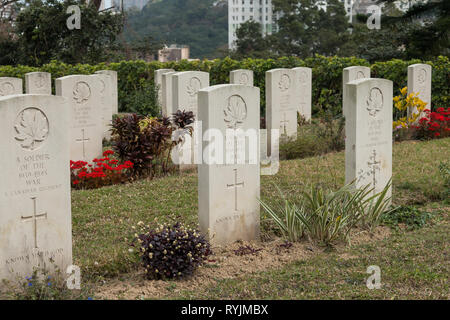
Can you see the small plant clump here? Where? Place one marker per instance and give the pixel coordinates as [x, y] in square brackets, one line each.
[169, 252]
[246, 250]
[412, 217]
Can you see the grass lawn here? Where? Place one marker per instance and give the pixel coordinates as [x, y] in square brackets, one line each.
[414, 264]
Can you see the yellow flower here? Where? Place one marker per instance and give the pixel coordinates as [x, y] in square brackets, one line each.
[404, 90]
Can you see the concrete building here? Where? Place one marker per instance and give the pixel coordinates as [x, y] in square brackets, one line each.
[173, 53]
[240, 11]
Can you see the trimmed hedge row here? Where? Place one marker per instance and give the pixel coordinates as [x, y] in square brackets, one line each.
[135, 76]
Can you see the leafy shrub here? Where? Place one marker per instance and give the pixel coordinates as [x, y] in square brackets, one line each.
[317, 138]
[411, 216]
[327, 76]
[171, 251]
[327, 216]
[147, 142]
[433, 124]
[402, 103]
[104, 172]
[143, 101]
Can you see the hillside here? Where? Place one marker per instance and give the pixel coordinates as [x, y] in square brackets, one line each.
[201, 24]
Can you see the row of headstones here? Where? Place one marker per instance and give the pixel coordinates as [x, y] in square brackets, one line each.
[39, 134]
[35, 206]
[228, 194]
[288, 91]
[92, 101]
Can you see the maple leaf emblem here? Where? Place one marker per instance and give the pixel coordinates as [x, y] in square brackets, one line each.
[6, 88]
[244, 80]
[285, 82]
[235, 112]
[81, 92]
[422, 76]
[194, 86]
[374, 101]
[31, 128]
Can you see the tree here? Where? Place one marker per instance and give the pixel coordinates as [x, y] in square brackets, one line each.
[41, 33]
[306, 27]
[429, 28]
[250, 41]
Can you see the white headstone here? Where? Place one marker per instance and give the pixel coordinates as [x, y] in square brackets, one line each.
[105, 103]
[35, 208]
[114, 89]
[158, 82]
[185, 87]
[38, 83]
[368, 129]
[167, 92]
[10, 86]
[228, 193]
[86, 127]
[350, 74]
[242, 76]
[305, 91]
[282, 98]
[419, 81]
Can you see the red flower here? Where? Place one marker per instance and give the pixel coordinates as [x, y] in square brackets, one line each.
[437, 134]
[75, 182]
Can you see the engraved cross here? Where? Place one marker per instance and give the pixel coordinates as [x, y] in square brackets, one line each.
[83, 140]
[34, 219]
[235, 187]
[374, 165]
[284, 123]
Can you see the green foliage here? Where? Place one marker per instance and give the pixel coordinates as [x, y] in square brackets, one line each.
[147, 142]
[411, 216]
[320, 137]
[250, 42]
[41, 33]
[143, 101]
[326, 72]
[327, 216]
[311, 30]
[197, 23]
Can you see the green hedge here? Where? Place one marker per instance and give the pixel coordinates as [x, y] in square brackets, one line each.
[134, 76]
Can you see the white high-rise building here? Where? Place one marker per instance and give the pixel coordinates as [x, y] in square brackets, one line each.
[240, 11]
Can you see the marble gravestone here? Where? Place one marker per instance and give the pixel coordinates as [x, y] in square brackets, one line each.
[35, 207]
[228, 191]
[158, 83]
[166, 92]
[38, 83]
[86, 126]
[282, 98]
[419, 81]
[10, 86]
[185, 87]
[242, 76]
[105, 103]
[350, 74]
[304, 80]
[368, 129]
[114, 89]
